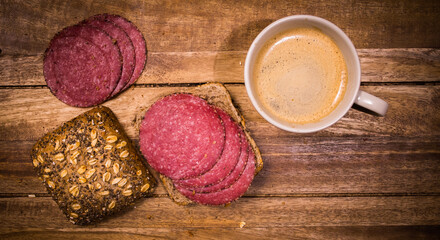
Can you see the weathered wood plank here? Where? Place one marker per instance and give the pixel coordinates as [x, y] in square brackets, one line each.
[42, 213]
[378, 65]
[27, 26]
[313, 162]
[412, 111]
[26, 114]
[322, 232]
[362, 177]
[295, 166]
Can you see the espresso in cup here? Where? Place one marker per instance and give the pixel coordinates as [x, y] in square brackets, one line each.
[300, 75]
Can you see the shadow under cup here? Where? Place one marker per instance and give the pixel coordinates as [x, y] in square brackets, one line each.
[344, 44]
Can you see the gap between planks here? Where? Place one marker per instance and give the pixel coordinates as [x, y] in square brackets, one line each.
[159, 85]
[300, 195]
[389, 66]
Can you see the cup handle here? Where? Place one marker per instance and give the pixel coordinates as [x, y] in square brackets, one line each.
[371, 102]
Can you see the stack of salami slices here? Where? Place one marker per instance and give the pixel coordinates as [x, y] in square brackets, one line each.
[92, 61]
[199, 146]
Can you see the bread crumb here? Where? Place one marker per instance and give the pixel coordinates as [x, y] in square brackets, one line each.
[31, 195]
[242, 224]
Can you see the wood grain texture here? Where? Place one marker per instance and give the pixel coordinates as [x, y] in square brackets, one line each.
[27, 26]
[378, 66]
[364, 177]
[353, 156]
[43, 213]
[321, 232]
[310, 166]
[26, 114]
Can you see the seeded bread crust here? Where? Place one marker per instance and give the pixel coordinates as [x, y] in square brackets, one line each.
[215, 94]
[90, 167]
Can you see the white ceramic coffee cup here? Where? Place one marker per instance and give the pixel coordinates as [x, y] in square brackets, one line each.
[352, 93]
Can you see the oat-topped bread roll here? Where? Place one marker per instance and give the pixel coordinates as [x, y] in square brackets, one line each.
[90, 167]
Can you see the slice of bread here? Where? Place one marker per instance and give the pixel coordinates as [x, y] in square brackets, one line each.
[215, 94]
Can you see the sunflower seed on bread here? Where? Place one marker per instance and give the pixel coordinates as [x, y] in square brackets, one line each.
[79, 161]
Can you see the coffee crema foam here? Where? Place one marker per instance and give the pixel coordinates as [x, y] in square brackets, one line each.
[300, 75]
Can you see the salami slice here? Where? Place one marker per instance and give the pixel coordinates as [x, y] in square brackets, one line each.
[106, 45]
[140, 46]
[76, 72]
[181, 136]
[227, 195]
[228, 159]
[123, 42]
[232, 177]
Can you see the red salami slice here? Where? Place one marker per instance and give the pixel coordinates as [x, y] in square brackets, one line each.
[140, 47]
[228, 159]
[232, 177]
[104, 42]
[123, 42]
[181, 136]
[236, 190]
[76, 72]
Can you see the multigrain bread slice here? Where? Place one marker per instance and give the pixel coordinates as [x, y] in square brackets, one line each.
[215, 94]
[90, 167]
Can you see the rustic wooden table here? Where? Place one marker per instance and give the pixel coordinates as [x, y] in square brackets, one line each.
[364, 177]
